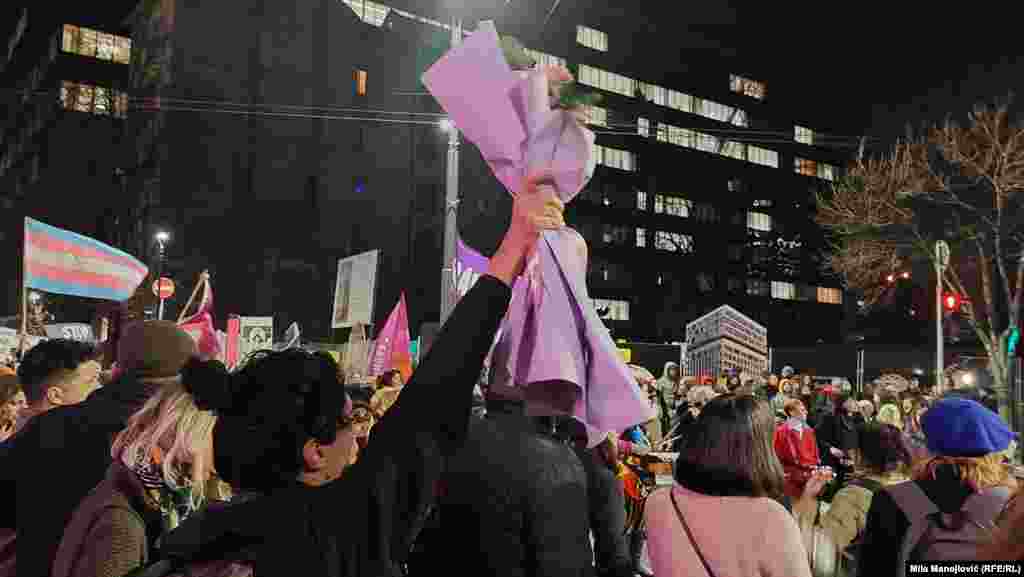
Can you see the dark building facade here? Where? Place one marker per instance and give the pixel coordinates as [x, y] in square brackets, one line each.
[63, 93]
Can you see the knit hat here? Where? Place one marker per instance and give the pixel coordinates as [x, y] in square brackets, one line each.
[956, 427]
[154, 349]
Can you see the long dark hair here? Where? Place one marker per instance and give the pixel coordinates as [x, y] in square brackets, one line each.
[728, 451]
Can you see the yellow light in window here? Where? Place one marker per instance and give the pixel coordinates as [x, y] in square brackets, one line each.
[360, 78]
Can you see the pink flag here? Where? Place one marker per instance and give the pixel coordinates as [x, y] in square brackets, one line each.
[200, 325]
[391, 349]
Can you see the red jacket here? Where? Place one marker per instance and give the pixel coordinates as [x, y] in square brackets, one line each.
[797, 448]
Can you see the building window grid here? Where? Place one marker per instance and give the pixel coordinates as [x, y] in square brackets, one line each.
[805, 166]
[830, 295]
[544, 59]
[826, 171]
[783, 290]
[93, 99]
[641, 200]
[803, 135]
[597, 116]
[641, 238]
[759, 221]
[762, 156]
[618, 310]
[672, 205]
[643, 126]
[591, 38]
[673, 242]
[615, 158]
[96, 44]
[371, 13]
[605, 80]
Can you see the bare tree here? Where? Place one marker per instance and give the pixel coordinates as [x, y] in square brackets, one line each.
[959, 184]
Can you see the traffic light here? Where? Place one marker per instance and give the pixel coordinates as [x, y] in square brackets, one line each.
[951, 301]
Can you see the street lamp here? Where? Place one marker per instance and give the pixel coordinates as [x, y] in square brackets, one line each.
[162, 237]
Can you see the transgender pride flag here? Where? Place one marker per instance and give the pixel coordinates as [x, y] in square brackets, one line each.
[63, 262]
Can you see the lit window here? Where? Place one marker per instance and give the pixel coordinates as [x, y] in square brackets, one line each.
[94, 99]
[654, 93]
[360, 78]
[598, 116]
[370, 12]
[618, 310]
[759, 221]
[673, 205]
[783, 290]
[762, 156]
[826, 171]
[641, 237]
[546, 59]
[641, 200]
[591, 38]
[680, 101]
[95, 44]
[803, 135]
[643, 127]
[605, 80]
[805, 167]
[735, 150]
[747, 87]
[615, 158]
[675, 135]
[832, 296]
[673, 241]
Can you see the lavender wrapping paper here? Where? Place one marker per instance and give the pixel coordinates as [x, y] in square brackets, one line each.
[552, 344]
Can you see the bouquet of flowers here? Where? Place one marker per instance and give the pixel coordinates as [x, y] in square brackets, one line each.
[552, 347]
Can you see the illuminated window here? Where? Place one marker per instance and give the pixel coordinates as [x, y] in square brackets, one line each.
[783, 290]
[93, 99]
[370, 12]
[673, 205]
[832, 296]
[598, 116]
[734, 150]
[675, 135]
[762, 156]
[643, 127]
[826, 171]
[759, 221]
[605, 80]
[803, 135]
[641, 200]
[96, 44]
[591, 38]
[654, 93]
[641, 237]
[546, 59]
[673, 241]
[747, 87]
[618, 310]
[805, 167]
[680, 101]
[615, 158]
[360, 78]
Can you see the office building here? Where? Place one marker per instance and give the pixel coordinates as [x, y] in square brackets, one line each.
[63, 76]
[726, 339]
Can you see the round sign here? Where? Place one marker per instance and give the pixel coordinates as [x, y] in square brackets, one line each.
[163, 288]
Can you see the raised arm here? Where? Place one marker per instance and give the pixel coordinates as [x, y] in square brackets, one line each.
[438, 397]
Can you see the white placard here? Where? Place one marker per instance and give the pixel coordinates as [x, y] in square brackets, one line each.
[254, 334]
[354, 290]
[71, 331]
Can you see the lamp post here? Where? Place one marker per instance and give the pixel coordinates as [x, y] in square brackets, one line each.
[941, 262]
[451, 205]
[162, 238]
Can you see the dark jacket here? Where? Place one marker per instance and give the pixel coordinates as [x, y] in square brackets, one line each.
[364, 523]
[55, 460]
[836, 430]
[607, 506]
[515, 501]
[887, 525]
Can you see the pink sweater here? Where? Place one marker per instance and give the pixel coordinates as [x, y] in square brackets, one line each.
[738, 536]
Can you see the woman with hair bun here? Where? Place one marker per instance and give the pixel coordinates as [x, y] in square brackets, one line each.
[162, 464]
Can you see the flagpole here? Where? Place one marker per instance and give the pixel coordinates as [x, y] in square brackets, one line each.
[204, 278]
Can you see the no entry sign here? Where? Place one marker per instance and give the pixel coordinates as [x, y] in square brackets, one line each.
[163, 288]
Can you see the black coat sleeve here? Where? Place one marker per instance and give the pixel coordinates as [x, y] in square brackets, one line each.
[607, 504]
[556, 523]
[438, 398]
[883, 537]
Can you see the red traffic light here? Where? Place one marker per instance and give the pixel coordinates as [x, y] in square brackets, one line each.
[951, 301]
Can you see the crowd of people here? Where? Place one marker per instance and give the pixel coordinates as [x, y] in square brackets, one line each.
[168, 464]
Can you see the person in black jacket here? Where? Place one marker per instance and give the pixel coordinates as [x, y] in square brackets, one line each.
[61, 454]
[314, 520]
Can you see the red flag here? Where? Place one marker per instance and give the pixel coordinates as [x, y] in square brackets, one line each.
[391, 349]
[200, 325]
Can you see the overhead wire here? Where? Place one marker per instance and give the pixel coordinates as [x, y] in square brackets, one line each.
[342, 113]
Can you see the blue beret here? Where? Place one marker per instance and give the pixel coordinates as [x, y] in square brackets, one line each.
[956, 427]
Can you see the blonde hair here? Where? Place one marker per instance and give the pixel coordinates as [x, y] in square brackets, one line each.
[978, 473]
[169, 423]
[700, 395]
[890, 415]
